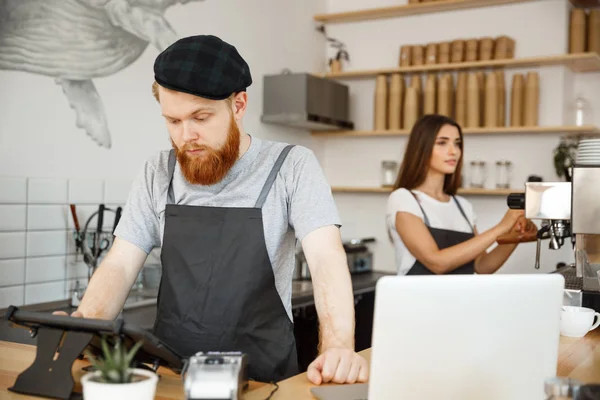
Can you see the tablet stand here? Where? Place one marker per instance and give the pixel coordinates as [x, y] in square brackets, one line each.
[61, 340]
[50, 375]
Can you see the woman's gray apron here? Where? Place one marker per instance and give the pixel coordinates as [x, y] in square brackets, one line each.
[445, 238]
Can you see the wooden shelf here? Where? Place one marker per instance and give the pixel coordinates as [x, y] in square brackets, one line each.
[488, 192]
[463, 191]
[567, 130]
[581, 62]
[419, 8]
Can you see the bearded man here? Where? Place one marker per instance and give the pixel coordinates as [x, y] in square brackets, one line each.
[227, 209]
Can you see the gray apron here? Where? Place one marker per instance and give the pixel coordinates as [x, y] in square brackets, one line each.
[445, 238]
[217, 291]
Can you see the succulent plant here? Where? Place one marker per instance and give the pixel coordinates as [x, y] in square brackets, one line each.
[115, 364]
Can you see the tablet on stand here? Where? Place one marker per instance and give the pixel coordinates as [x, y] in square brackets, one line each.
[62, 339]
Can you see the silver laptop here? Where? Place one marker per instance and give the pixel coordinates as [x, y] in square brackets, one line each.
[463, 337]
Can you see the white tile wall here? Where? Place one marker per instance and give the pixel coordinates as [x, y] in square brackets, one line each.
[46, 191]
[86, 191]
[45, 269]
[12, 272]
[44, 292]
[76, 269]
[12, 245]
[12, 217]
[37, 249]
[51, 217]
[13, 190]
[53, 243]
[11, 296]
[116, 191]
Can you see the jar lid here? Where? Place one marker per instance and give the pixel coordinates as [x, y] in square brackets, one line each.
[561, 386]
[477, 162]
[503, 162]
[390, 164]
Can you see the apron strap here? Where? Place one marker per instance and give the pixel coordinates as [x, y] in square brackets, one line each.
[271, 178]
[463, 214]
[426, 220]
[170, 171]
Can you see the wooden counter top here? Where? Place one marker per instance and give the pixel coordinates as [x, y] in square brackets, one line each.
[16, 357]
[579, 358]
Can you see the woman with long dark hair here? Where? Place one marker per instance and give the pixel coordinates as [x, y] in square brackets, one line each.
[433, 230]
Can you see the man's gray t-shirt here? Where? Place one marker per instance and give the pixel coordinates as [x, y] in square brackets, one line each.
[299, 202]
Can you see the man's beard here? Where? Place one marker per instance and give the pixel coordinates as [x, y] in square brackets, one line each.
[212, 165]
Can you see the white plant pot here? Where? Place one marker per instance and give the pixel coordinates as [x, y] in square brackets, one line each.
[139, 390]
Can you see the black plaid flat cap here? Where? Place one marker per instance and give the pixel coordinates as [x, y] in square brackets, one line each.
[204, 66]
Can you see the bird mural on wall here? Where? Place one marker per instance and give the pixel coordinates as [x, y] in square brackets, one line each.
[75, 41]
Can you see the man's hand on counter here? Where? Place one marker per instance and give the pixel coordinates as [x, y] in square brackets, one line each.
[75, 313]
[338, 365]
[334, 301]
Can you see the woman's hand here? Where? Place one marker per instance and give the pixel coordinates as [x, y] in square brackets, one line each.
[522, 231]
[510, 220]
[524, 225]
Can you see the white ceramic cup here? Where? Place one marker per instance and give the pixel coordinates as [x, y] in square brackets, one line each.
[577, 321]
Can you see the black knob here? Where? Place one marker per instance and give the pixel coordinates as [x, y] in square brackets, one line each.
[516, 201]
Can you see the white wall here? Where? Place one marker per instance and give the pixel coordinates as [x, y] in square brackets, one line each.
[539, 28]
[270, 34]
[39, 139]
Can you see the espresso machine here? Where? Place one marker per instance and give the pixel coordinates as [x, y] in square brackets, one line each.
[569, 214]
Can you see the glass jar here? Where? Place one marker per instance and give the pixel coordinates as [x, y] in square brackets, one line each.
[561, 388]
[388, 173]
[503, 174]
[477, 174]
[581, 112]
